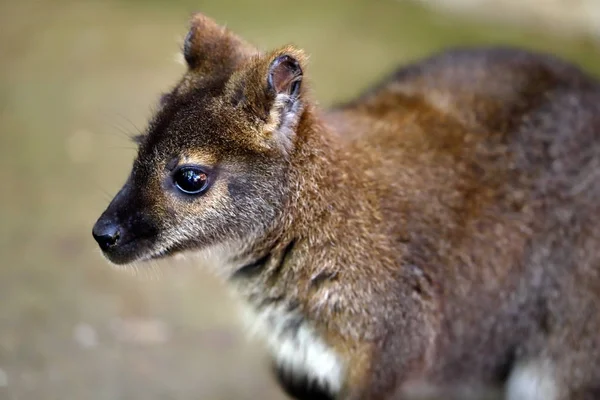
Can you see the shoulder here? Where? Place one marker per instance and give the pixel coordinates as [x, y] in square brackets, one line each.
[479, 86]
[477, 67]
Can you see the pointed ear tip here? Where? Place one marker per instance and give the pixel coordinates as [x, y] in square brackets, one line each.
[198, 19]
[285, 62]
[295, 52]
[201, 26]
[197, 15]
[297, 55]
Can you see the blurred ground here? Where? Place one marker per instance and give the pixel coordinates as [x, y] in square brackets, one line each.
[567, 17]
[76, 77]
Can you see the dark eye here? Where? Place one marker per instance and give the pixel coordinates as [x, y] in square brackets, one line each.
[191, 180]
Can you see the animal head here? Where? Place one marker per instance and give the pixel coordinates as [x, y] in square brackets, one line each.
[212, 167]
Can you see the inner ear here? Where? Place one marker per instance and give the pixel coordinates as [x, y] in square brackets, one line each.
[285, 76]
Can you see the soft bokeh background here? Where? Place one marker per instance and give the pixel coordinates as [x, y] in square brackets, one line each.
[76, 78]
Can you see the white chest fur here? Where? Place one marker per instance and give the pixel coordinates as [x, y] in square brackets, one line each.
[533, 380]
[295, 346]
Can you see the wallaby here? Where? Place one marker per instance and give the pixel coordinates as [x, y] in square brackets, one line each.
[437, 232]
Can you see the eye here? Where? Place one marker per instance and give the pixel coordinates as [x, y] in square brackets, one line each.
[191, 180]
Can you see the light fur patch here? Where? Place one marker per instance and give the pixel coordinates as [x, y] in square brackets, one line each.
[198, 157]
[282, 122]
[179, 59]
[295, 346]
[533, 380]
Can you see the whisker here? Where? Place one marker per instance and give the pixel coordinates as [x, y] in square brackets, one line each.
[105, 194]
[122, 148]
[133, 125]
[122, 131]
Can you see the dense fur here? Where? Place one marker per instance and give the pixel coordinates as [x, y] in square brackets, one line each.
[438, 232]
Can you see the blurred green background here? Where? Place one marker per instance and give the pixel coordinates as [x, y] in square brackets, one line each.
[76, 79]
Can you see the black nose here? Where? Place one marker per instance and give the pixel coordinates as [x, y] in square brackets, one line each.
[106, 233]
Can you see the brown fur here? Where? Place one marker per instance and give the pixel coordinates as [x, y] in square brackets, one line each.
[440, 229]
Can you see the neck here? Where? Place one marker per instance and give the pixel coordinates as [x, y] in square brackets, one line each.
[314, 172]
[318, 173]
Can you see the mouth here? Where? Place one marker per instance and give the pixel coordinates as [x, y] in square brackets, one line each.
[158, 254]
[138, 250]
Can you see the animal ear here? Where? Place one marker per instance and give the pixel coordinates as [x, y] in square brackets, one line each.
[211, 48]
[270, 88]
[283, 93]
[284, 76]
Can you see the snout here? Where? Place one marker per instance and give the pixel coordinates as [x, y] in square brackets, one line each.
[124, 240]
[114, 239]
[126, 231]
[107, 233]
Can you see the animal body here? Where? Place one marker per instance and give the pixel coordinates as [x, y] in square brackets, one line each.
[438, 231]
